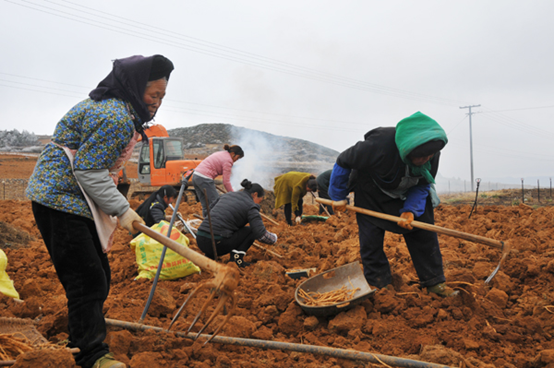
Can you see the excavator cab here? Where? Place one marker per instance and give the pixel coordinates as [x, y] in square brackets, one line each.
[161, 162]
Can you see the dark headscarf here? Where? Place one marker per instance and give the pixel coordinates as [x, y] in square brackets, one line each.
[166, 190]
[427, 149]
[128, 79]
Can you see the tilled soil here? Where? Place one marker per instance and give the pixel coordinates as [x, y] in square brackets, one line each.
[507, 323]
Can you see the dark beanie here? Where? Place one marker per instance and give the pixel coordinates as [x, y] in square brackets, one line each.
[312, 184]
[161, 67]
[427, 149]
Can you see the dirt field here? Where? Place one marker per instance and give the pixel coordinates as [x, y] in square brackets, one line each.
[507, 323]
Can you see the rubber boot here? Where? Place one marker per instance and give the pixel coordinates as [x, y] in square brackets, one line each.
[442, 290]
[107, 361]
[238, 257]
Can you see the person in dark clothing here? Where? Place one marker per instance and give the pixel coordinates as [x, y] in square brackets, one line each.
[323, 180]
[152, 210]
[229, 215]
[393, 172]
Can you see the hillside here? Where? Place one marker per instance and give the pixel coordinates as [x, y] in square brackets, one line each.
[267, 152]
[264, 152]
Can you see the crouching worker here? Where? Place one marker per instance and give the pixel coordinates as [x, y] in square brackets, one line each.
[229, 215]
[152, 210]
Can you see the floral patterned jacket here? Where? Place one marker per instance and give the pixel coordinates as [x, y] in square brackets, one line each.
[98, 131]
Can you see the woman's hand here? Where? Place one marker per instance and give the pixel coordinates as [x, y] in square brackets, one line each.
[126, 220]
[406, 220]
[339, 206]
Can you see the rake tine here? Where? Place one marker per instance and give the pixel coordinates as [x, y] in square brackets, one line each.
[219, 306]
[204, 307]
[183, 306]
[233, 304]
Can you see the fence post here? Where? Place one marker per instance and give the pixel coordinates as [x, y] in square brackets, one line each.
[538, 191]
[522, 192]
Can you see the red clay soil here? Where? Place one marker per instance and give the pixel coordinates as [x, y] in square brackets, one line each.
[507, 323]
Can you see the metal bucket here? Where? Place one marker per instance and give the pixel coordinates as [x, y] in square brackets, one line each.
[348, 275]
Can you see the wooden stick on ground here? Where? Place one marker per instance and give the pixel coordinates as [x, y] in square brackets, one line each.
[267, 250]
[269, 219]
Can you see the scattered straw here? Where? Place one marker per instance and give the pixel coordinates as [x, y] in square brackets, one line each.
[380, 361]
[314, 299]
[462, 289]
[488, 324]
[11, 346]
[548, 307]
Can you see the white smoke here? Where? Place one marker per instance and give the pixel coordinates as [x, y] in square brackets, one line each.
[260, 161]
[267, 156]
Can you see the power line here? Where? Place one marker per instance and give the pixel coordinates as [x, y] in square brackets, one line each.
[227, 53]
[196, 112]
[521, 108]
[36, 90]
[44, 80]
[518, 125]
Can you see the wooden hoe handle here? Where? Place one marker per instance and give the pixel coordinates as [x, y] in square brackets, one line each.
[196, 258]
[423, 225]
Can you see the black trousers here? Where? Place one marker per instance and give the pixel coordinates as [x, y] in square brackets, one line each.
[241, 240]
[288, 211]
[423, 247]
[84, 271]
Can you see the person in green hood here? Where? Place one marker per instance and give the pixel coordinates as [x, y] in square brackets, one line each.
[392, 171]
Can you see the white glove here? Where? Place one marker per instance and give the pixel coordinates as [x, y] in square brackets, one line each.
[340, 206]
[298, 219]
[126, 220]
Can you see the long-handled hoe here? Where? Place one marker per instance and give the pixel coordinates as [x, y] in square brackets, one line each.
[505, 247]
[223, 284]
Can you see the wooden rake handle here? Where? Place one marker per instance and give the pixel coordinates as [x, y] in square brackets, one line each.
[198, 259]
[423, 225]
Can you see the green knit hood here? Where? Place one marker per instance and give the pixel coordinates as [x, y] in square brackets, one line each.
[414, 131]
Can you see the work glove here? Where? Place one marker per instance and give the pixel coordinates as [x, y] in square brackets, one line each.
[407, 218]
[126, 220]
[298, 219]
[339, 206]
[168, 217]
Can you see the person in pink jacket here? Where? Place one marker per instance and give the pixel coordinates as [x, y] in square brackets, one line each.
[219, 163]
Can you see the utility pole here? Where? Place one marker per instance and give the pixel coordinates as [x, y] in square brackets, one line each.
[470, 140]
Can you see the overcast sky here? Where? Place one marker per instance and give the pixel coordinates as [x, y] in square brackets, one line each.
[324, 71]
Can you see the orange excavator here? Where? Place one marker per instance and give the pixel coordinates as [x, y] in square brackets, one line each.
[160, 162]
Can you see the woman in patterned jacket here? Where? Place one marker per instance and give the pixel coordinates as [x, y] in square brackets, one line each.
[75, 198]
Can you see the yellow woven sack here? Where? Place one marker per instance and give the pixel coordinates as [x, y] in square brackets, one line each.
[148, 253]
[6, 285]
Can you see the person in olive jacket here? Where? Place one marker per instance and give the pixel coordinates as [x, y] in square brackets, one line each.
[290, 189]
